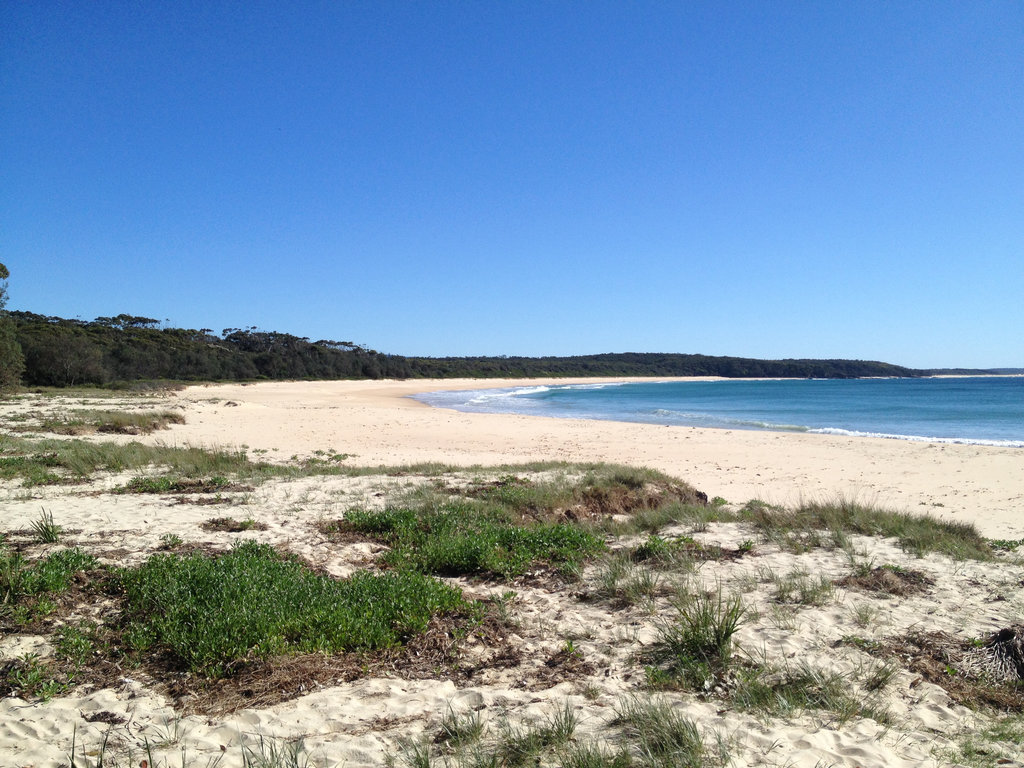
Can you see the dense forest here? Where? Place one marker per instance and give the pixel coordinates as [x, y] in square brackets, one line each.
[126, 348]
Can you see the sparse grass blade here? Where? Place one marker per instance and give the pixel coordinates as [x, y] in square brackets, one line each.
[802, 528]
[662, 736]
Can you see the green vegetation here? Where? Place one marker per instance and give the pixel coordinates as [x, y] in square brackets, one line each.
[12, 361]
[230, 525]
[166, 484]
[694, 647]
[22, 582]
[800, 588]
[80, 422]
[997, 744]
[645, 733]
[523, 745]
[214, 613]
[256, 751]
[773, 692]
[662, 736]
[46, 531]
[624, 583]
[1005, 545]
[38, 462]
[464, 538]
[800, 528]
[125, 348]
[506, 527]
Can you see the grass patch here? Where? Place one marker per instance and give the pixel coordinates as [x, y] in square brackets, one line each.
[255, 751]
[524, 745]
[579, 492]
[801, 528]
[661, 736]
[83, 422]
[459, 731]
[212, 615]
[46, 531]
[800, 588]
[625, 583]
[773, 692]
[55, 460]
[466, 538]
[997, 744]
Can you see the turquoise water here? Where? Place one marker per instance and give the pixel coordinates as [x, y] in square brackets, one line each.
[982, 410]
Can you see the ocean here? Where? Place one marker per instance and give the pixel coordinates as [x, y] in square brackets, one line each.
[978, 410]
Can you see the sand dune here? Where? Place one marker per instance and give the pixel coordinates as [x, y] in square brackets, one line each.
[363, 721]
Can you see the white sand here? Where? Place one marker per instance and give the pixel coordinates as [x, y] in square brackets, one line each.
[357, 724]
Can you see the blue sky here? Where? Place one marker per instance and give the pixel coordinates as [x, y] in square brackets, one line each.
[765, 179]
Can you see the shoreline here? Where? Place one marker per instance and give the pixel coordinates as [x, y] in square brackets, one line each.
[379, 423]
[744, 426]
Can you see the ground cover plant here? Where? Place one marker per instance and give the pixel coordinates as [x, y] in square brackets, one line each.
[26, 587]
[54, 461]
[787, 691]
[643, 733]
[212, 614]
[695, 645]
[472, 539]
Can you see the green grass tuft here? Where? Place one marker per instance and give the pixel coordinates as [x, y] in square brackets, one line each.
[661, 735]
[46, 531]
[695, 647]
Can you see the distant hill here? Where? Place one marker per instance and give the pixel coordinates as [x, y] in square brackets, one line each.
[126, 348]
[974, 372]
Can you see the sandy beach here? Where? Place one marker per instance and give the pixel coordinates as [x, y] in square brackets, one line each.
[378, 423]
[578, 646]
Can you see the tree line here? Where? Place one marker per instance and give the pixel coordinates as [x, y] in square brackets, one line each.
[40, 350]
[59, 352]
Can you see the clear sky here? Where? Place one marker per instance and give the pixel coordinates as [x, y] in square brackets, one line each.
[764, 179]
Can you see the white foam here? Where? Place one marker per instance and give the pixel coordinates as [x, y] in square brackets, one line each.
[920, 438]
[487, 395]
